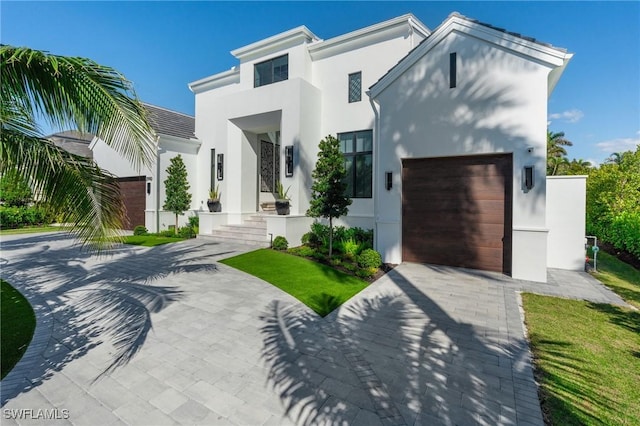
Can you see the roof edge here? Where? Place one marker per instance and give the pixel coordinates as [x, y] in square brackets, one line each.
[216, 80]
[293, 36]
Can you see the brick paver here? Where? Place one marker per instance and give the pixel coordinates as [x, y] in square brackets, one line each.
[167, 335]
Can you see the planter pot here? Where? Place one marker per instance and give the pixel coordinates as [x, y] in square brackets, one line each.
[282, 207]
[214, 205]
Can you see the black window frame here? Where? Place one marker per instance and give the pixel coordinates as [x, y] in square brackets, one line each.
[273, 74]
[353, 157]
[350, 91]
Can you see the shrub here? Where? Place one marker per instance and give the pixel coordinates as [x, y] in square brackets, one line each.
[624, 233]
[319, 255]
[14, 190]
[194, 221]
[279, 243]
[369, 258]
[167, 233]
[303, 251]
[350, 248]
[186, 232]
[366, 272]
[140, 230]
[350, 266]
[17, 217]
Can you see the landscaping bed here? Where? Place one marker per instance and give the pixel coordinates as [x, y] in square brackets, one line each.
[17, 324]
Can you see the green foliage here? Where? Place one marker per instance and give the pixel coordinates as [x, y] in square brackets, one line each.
[140, 230]
[369, 258]
[14, 190]
[178, 198]
[282, 194]
[366, 272]
[319, 237]
[328, 197]
[303, 251]
[556, 154]
[613, 200]
[167, 233]
[16, 217]
[351, 248]
[624, 232]
[214, 193]
[280, 243]
[17, 324]
[194, 224]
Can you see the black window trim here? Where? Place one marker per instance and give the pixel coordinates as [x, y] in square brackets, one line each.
[355, 154]
[358, 73]
[272, 60]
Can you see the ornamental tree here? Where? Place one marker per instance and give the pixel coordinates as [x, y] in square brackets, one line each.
[328, 199]
[178, 198]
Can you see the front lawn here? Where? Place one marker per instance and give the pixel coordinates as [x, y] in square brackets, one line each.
[150, 240]
[32, 230]
[17, 323]
[587, 359]
[620, 277]
[318, 286]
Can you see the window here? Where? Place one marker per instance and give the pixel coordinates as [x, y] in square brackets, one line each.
[271, 71]
[357, 148]
[355, 87]
[453, 59]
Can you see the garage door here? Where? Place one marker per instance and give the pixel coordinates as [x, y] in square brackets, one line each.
[457, 211]
[134, 197]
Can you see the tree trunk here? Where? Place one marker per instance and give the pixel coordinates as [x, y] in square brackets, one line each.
[330, 237]
[176, 228]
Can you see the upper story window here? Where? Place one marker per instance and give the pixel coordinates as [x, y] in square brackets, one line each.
[357, 149]
[271, 71]
[355, 87]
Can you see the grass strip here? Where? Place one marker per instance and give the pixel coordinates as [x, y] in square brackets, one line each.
[17, 323]
[620, 277]
[318, 286]
[586, 356]
[32, 230]
[150, 240]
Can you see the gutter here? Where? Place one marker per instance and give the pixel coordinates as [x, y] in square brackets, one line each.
[376, 150]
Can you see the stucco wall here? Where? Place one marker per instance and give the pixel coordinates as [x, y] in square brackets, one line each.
[498, 106]
[566, 215]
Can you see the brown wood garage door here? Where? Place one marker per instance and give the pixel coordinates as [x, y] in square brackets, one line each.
[133, 194]
[456, 211]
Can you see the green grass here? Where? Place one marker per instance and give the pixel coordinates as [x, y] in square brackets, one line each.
[17, 323]
[150, 240]
[31, 230]
[588, 356]
[620, 277]
[318, 286]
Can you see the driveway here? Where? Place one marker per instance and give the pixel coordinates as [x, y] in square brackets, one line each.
[167, 335]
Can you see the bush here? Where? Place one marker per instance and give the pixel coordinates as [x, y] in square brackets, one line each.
[167, 233]
[280, 243]
[303, 251]
[186, 232]
[14, 190]
[351, 248]
[17, 217]
[624, 233]
[140, 230]
[369, 258]
[366, 272]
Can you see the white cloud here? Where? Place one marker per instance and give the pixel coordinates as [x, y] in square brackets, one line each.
[569, 116]
[619, 144]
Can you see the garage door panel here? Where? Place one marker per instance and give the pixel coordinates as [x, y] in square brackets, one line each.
[456, 211]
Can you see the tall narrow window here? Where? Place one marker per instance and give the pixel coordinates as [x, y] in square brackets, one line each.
[357, 149]
[452, 69]
[213, 169]
[271, 71]
[355, 87]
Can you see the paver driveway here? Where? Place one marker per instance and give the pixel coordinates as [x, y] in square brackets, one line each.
[166, 335]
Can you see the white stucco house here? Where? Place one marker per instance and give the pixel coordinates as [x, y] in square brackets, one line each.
[443, 133]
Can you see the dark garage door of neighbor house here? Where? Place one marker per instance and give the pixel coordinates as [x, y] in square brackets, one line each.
[134, 197]
[456, 211]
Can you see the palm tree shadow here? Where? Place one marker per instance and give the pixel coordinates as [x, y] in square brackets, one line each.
[88, 301]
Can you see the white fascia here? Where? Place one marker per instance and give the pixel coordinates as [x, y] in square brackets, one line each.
[278, 42]
[547, 55]
[224, 78]
[174, 143]
[364, 36]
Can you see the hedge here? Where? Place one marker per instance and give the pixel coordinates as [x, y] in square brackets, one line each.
[18, 217]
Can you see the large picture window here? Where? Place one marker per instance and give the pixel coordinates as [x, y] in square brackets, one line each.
[271, 71]
[357, 148]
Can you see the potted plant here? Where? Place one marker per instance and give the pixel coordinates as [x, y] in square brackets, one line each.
[214, 199]
[282, 202]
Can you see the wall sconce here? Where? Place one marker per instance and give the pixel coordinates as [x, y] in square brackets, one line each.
[220, 166]
[288, 160]
[528, 177]
[148, 188]
[388, 180]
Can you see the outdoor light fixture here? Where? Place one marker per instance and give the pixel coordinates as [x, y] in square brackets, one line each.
[220, 166]
[528, 177]
[148, 187]
[288, 159]
[388, 180]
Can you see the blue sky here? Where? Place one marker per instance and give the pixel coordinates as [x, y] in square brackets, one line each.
[162, 46]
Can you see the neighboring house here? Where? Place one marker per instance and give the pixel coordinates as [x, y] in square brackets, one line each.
[143, 190]
[446, 151]
[74, 142]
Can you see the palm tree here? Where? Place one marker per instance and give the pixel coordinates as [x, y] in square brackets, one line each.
[77, 93]
[614, 158]
[555, 151]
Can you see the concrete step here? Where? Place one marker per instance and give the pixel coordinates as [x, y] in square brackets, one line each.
[263, 244]
[246, 229]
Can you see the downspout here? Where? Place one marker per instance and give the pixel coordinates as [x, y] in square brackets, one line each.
[376, 163]
[157, 179]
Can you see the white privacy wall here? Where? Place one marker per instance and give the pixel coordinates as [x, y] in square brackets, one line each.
[498, 106]
[566, 215]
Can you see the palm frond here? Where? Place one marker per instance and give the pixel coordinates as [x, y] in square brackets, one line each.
[71, 185]
[73, 92]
